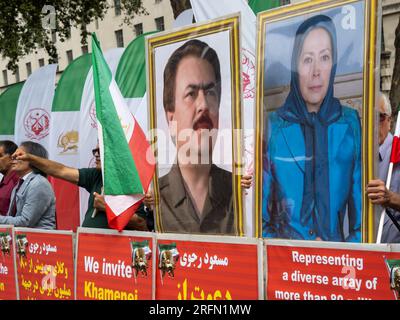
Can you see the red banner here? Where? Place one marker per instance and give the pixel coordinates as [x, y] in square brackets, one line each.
[45, 266]
[319, 273]
[8, 286]
[113, 266]
[198, 270]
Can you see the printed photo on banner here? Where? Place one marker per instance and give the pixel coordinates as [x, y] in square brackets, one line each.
[207, 267]
[314, 102]
[195, 122]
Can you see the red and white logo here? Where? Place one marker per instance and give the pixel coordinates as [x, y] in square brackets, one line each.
[248, 74]
[92, 114]
[37, 124]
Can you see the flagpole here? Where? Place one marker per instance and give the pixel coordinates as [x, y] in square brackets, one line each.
[95, 209]
[388, 181]
[382, 218]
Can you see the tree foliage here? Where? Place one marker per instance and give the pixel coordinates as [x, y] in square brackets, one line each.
[24, 28]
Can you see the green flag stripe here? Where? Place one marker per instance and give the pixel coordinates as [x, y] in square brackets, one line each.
[393, 263]
[262, 5]
[131, 72]
[119, 166]
[8, 108]
[69, 89]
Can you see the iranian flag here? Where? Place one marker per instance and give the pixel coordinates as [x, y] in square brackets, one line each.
[126, 157]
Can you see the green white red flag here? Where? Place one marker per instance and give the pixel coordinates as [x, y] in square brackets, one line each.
[126, 158]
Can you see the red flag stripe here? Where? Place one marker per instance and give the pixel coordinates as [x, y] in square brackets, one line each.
[395, 154]
[142, 155]
[119, 222]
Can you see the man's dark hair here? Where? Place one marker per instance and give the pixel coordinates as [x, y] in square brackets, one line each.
[37, 150]
[195, 48]
[9, 146]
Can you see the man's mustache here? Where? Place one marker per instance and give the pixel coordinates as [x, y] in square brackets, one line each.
[204, 122]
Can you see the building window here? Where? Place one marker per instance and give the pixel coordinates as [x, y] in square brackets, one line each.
[159, 23]
[158, 1]
[17, 74]
[138, 29]
[285, 2]
[117, 6]
[84, 49]
[5, 78]
[70, 57]
[28, 69]
[41, 62]
[53, 36]
[120, 38]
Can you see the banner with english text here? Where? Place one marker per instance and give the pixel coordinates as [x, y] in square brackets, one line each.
[113, 265]
[298, 270]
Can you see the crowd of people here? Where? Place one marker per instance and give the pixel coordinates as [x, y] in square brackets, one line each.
[27, 198]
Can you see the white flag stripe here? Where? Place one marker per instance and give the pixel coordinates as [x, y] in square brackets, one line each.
[7, 137]
[141, 114]
[32, 118]
[119, 204]
[123, 111]
[184, 19]
[62, 149]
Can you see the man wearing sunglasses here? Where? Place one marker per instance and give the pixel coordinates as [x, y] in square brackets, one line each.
[91, 180]
[376, 189]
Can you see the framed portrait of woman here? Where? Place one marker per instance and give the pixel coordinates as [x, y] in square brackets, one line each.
[316, 65]
[195, 120]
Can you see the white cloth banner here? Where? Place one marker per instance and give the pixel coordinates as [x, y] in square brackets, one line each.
[184, 19]
[210, 9]
[32, 119]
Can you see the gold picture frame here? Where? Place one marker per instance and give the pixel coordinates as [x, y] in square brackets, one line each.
[161, 41]
[305, 10]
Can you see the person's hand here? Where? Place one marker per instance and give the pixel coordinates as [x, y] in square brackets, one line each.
[20, 154]
[148, 200]
[137, 223]
[378, 193]
[246, 181]
[99, 202]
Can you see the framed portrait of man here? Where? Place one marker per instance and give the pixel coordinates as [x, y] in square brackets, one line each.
[315, 114]
[195, 121]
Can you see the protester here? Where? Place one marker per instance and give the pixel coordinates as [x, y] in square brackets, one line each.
[10, 177]
[376, 189]
[32, 200]
[89, 179]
